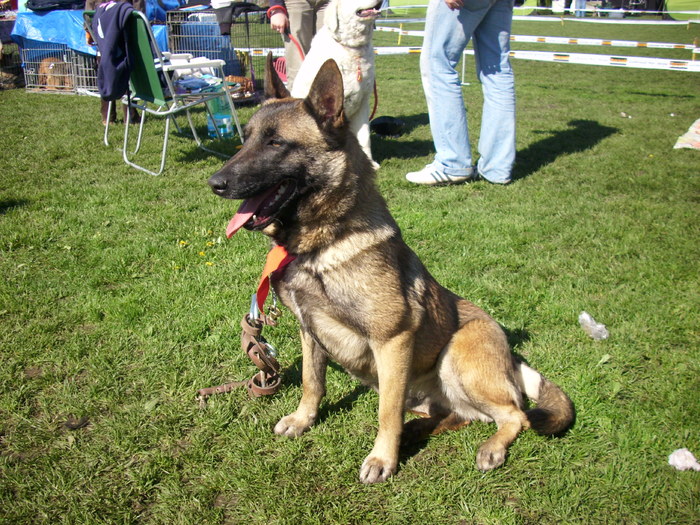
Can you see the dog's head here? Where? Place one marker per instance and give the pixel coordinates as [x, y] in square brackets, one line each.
[299, 164]
[352, 21]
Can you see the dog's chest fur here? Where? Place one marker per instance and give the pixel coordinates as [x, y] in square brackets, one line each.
[328, 294]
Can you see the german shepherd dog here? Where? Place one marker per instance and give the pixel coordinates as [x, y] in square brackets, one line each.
[360, 294]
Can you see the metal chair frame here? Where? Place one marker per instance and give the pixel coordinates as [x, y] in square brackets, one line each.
[152, 90]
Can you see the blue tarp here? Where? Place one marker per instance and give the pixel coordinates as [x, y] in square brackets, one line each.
[156, 9]
[64, 27]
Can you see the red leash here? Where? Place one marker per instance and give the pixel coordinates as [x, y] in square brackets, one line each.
[376, 100]
[296, 43]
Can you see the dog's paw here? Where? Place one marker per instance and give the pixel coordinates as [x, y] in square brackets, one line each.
[375, 469]
[292, 426]
[375, 165]
[490, 456]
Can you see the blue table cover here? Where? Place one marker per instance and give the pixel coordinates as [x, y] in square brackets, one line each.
[65, 27]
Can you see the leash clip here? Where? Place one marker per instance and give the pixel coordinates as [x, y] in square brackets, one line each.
[254, 312]
[273, 312]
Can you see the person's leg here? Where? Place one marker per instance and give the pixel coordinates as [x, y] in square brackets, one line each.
[301, 27]
[107, 116]
[492, 48]
[446, 35]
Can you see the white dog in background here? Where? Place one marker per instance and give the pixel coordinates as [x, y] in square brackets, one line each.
[346, 37]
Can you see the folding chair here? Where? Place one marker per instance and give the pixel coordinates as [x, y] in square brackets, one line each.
[153, 89]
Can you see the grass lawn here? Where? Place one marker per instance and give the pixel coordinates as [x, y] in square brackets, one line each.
[120, 297]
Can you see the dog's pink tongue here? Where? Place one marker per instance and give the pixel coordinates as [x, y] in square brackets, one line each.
[243, 215]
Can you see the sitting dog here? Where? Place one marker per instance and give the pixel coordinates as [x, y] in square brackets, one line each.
[362, 296]
[346, 37]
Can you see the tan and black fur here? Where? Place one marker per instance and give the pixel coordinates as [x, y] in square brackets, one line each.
[363, 298]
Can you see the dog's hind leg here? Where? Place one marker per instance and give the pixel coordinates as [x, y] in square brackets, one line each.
[483, 366]
[314, 364]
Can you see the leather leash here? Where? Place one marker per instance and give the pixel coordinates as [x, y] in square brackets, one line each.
[268, 380]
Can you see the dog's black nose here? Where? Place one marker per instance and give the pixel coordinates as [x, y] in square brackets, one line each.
[218, 183]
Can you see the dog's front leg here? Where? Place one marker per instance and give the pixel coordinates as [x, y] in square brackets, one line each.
[313, 375]
[393, 367]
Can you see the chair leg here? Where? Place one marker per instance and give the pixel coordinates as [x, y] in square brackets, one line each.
[125, 155]
[234, 114]
[199, 142]
[105, 139]
[195, 135]
[138, 141]
[165, 144]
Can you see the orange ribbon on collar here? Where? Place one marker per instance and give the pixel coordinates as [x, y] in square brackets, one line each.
[277, 258]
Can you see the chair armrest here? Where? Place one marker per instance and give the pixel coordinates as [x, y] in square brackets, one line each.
[195, 63]
[167, 55]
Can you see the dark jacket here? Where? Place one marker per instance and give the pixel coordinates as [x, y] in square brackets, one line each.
[115, 67]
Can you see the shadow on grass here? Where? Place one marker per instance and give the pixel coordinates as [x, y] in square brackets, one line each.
[292, 376]
[344, 403]
[516, 337]
[581, 136]
[11, 204]
[389, 148]
[223, 146]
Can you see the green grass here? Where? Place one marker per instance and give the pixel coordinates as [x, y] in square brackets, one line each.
[111, 316]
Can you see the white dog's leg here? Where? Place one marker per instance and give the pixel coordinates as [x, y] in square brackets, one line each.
[359, 125]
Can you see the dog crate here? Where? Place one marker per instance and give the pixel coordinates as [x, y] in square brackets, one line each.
[48, 67]
[55, 68]
[84, 73]
[244, 51]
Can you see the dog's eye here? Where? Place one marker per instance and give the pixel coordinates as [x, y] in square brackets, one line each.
[275, 142]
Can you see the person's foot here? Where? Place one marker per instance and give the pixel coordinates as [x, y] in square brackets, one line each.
[432, 176]
[479, 176]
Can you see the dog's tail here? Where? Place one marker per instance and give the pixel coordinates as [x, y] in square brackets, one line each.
[554, 412]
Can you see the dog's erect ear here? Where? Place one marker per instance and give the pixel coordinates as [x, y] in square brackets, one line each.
[326, 95]
[274, 87]
[331, 16]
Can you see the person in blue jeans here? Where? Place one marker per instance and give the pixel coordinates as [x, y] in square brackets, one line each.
[450, 24]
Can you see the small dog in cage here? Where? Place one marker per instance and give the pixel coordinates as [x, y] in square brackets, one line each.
[54, 73]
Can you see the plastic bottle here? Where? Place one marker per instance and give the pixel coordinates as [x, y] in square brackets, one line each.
[222, 118]
[594, 329]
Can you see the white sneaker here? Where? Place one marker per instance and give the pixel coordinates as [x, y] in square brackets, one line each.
[431, 176]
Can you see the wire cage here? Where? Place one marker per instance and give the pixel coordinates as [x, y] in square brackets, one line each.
[84, 73]
[251, 31]
[48, 67]
[244, 51]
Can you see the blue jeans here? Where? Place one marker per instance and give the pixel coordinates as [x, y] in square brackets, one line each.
[447, 33]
